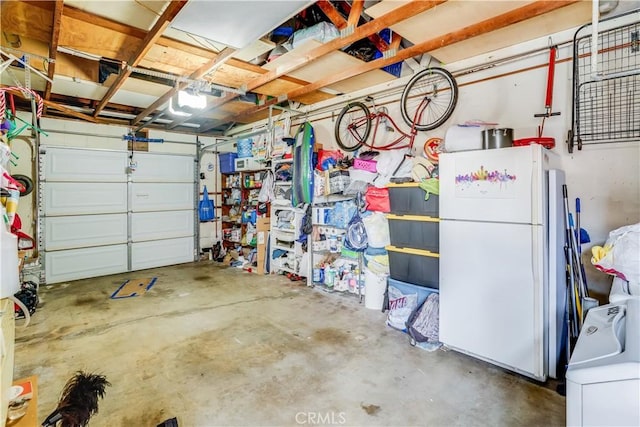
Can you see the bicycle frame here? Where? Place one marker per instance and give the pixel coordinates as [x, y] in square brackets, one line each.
[377, 116]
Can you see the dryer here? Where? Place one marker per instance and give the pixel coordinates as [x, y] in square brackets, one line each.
[603, 377]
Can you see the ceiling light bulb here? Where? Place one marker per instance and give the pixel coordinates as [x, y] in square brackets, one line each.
[191, 100]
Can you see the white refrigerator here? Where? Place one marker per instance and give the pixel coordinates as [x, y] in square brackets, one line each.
[502, 274]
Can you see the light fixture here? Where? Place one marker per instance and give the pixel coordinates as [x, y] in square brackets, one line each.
[191, 99]
[185, 102]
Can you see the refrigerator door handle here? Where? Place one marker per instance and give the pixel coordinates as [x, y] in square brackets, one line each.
[535, 194]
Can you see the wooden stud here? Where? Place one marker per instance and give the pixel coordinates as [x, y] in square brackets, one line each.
[354, 14]
[154, 34]
[99, 21]
[332, 13]
[53, 46]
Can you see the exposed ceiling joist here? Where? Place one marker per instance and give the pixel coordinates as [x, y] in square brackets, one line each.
[355, 13]
[53, 46]
[149, 40]
[72, 113]
[99, 21]
[517, 15]
[363, 31]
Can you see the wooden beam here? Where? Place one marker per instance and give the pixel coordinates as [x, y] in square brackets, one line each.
[332, 13]
[152, 36]
[223, 56]
[354, 14]
[62, 108]
[53, 44]
[531, 10]
[395, 41]
[99, 21]
[372, 27]
[71, 113]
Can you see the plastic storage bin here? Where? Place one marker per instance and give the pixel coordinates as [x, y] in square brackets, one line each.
[409, 288]
[408, 199]
[227, 162]
[415, 266]
[414, 231]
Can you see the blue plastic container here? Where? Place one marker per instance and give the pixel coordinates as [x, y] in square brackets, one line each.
[394, 69]
[409, 288]
[227, 162]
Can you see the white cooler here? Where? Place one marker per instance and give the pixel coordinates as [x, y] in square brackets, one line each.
[603, 377]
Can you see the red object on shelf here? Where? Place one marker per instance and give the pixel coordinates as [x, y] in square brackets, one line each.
[546, 142]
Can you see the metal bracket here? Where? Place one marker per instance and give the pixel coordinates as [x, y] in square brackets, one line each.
[389, 53]
[347, 31]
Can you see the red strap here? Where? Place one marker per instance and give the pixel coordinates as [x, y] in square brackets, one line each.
[552, 67]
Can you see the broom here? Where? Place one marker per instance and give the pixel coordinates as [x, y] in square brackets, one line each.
[79, 400]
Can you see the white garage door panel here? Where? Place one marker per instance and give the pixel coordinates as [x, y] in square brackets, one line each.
[76, 264]
[161, 197]
[66, 164]
[67, 198]
[68, 232]
[161, 225]
[163, 168]
[161, 252]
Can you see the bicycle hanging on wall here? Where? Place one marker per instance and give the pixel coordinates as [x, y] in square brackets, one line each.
[427, 101]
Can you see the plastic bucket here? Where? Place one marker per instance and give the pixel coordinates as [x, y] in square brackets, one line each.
[375, 286]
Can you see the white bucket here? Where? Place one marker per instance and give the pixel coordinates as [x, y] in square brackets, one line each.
[375, 286]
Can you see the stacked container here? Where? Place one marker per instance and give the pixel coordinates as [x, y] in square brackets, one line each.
[414, 232]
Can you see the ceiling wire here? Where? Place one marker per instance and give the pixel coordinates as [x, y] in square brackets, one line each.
[147, 7]
[198, 41]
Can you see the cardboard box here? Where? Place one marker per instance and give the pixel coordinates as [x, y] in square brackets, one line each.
[263, 224]
[262, 237]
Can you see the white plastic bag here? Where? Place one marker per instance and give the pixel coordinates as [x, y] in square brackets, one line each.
[267, 193]
[377, 227]
[620, 254]
[400, 308]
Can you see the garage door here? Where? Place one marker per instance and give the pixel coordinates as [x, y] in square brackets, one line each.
[97, 219]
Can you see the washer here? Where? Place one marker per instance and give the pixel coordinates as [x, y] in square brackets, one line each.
[603, 377]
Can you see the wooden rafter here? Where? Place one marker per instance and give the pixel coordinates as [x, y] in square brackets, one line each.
[152, 36]
[528, 11]
[332, 13]
[354, 14]
[53, 44]
[72, 113]
[374, 26]
[99, 21]
[220, 59]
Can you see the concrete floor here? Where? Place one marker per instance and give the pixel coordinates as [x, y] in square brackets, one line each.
[217, 346]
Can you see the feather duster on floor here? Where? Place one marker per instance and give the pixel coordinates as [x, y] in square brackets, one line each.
[79, 401]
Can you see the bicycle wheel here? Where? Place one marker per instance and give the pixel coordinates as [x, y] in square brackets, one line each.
[353, 126]
[429, 98]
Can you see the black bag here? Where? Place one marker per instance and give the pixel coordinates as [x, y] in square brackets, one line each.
[27, 295]
[423, 323]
